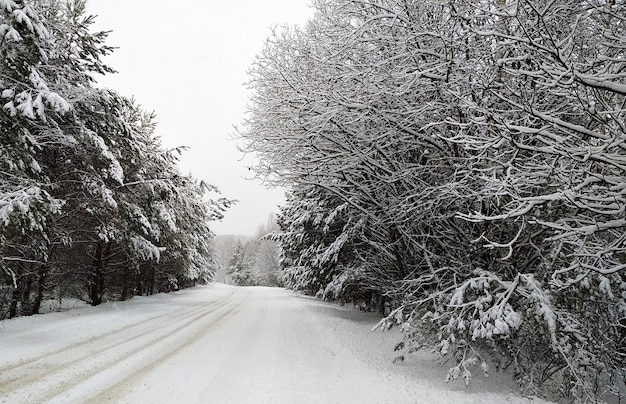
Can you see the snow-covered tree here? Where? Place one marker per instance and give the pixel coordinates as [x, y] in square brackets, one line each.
[90, 202]
[471, 151]
[239, 267]
[250, 260]
[148, 224]
[555, 108]
[30, 127]
[265, 255]
[312, 253]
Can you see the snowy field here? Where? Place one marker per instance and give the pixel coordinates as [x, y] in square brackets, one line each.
[221, 344]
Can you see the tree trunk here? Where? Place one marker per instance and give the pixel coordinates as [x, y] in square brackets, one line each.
[139, 281]
[15, 297]
[41, 287]
[25, 307]
[125, 285]
[96, 283]
[151, 279]
[20, 297]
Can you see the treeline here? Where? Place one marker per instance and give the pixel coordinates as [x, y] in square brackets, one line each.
[250, 260]
[464, 161]
[91, 205]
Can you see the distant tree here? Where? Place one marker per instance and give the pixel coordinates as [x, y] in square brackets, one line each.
[239, 267]
[259, 254]
[224, 245]
[265, 255]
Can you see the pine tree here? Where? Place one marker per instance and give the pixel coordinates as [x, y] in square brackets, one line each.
[91, 205]
[30, 119]
[239, 267]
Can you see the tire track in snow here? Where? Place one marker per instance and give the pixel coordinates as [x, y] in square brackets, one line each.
[91, 340]
[74, 353]
[243, 356]
[128, 367]
[65, 368]
[147, 367]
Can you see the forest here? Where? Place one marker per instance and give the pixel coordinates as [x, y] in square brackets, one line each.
[461, 162]
[457, 165]
[92, 206]
[249, 260]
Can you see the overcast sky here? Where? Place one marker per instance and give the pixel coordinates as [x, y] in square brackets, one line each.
[187, 60]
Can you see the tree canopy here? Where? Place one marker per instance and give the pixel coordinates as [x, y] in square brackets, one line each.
[91, 204]
[463, 160]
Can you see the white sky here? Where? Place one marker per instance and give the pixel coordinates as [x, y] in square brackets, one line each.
[187, 61]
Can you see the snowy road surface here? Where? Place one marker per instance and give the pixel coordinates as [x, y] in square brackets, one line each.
[220, 344]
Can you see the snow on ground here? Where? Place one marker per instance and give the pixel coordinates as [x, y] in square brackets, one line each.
[221, 344]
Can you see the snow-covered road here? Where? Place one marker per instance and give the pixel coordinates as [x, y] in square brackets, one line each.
[220, 344]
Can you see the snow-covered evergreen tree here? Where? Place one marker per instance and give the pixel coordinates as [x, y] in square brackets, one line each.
[251, 259]
[30, 127]
[91, 205]
[239, 267]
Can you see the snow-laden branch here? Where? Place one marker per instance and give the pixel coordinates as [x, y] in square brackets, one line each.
[492, 245]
